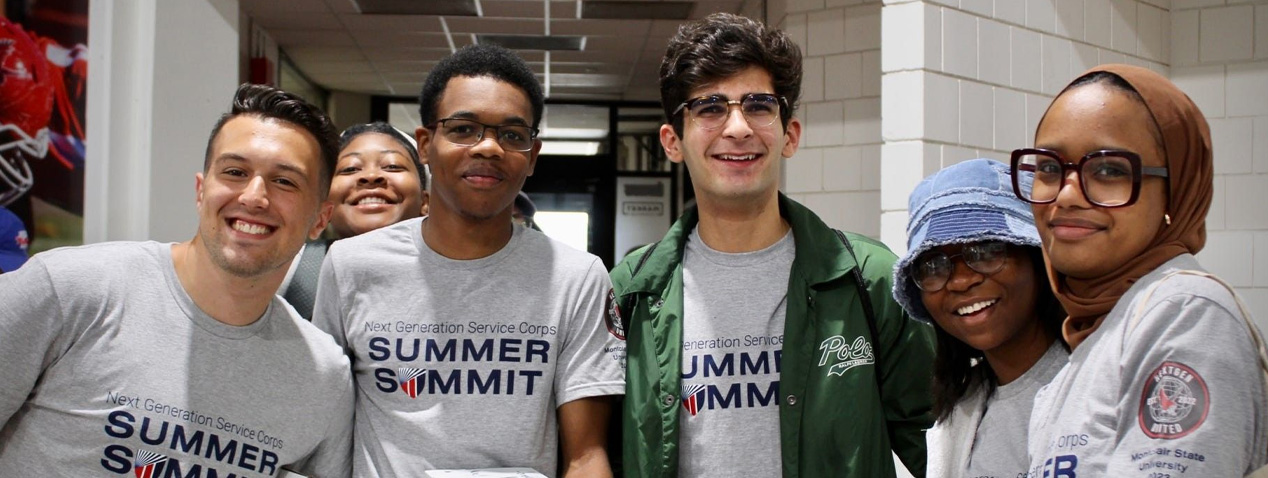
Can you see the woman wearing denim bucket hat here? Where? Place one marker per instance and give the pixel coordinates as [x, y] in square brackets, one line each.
[1166, 377]
[974, 269]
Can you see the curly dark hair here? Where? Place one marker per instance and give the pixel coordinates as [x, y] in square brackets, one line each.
[960, 370]
[271, 103]
[385, 129]
[480, 61]
[722, 45]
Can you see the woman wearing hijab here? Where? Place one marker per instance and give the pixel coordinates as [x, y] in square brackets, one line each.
[1166, 376]
[974, 269]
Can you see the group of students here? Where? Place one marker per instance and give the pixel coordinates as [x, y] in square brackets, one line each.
[1047, 320]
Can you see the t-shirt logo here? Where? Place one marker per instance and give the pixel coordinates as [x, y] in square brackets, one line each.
[613, 317]
[145, 463]
[692, 395]
[845, 354]
[1173, 402]
[408, 378]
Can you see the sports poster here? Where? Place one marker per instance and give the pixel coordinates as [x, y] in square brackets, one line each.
[43, 82]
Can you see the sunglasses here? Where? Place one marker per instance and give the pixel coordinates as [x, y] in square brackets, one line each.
[932, 270]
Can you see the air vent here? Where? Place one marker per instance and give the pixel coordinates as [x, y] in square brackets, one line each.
[535, 42]
[628, 10]
[466, 8]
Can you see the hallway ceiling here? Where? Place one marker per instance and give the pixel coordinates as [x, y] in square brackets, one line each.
[340, 48]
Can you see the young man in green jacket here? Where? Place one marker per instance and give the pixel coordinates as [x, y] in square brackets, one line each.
[751, 351]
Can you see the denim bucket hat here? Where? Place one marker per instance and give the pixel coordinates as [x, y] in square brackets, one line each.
[968, 202]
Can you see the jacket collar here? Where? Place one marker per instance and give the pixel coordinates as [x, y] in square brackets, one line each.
[820, 255]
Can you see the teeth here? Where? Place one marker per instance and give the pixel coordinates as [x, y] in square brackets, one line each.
[747, 157]
[969, 309]
[249, 228]
[371, 200]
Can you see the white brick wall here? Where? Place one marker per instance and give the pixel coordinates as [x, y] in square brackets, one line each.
[971, 78]
[1220, 58]
[968, 79]
[893, 93]
[837, 171]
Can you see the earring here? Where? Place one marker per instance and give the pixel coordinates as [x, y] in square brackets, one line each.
[1167, 218]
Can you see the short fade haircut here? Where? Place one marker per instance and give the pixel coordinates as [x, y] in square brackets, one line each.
[720, 46]
[266, 102]
[477, 61]
[388, 130]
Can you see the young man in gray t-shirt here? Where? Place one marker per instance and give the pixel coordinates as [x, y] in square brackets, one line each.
[152, 359]
[475, 343]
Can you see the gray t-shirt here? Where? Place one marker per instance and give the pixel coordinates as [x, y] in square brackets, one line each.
[1179, 394]
[733, 334]
[999, 447]
[462, 363]
[111, 368]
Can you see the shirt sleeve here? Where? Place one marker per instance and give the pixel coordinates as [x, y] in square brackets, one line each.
[592, 361]
[333, 456]
[33, 339]
[1192, 396]
[328, 308]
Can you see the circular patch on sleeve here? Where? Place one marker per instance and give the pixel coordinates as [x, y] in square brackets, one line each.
[1173, 402]
[612, 317]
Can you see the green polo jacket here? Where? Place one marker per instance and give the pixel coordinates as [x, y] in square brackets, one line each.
[836, 418]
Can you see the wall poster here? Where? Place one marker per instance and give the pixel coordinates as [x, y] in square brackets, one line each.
[43, 80]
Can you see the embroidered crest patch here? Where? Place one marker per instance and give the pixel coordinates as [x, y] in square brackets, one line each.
[612, 317]
[1173, 402]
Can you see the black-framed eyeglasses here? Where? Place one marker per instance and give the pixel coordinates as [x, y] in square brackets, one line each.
[710, 112]
[1107, 178]
[931, 270]
[465, 132]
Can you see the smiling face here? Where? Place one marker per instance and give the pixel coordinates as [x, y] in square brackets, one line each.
[375, 184]
[1082, 240]
[477, 182]
[736, 162]
[259, 198]
[986, 311]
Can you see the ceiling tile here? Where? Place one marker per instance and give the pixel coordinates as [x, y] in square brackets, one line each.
[300, 21]
[259, 8]
[341, 6]
[391, 23]
[316, 68]
[413, 54]
[395, 39]
[405, 77]
[312, 38]
[305, 54]
[623, 28]
[705, 7]
[495, 25]
[403, 66]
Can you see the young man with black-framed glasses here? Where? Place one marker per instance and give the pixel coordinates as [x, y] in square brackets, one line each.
[474, 343]
[761, 342]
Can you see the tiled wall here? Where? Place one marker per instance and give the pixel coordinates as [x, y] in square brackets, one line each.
[960, 79]
[1220, 58]
[837, 171]
[967, 79]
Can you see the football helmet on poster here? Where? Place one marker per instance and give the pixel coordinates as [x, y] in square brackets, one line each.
[26, 104]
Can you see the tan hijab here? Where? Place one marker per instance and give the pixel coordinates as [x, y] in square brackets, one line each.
[1187, 140]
